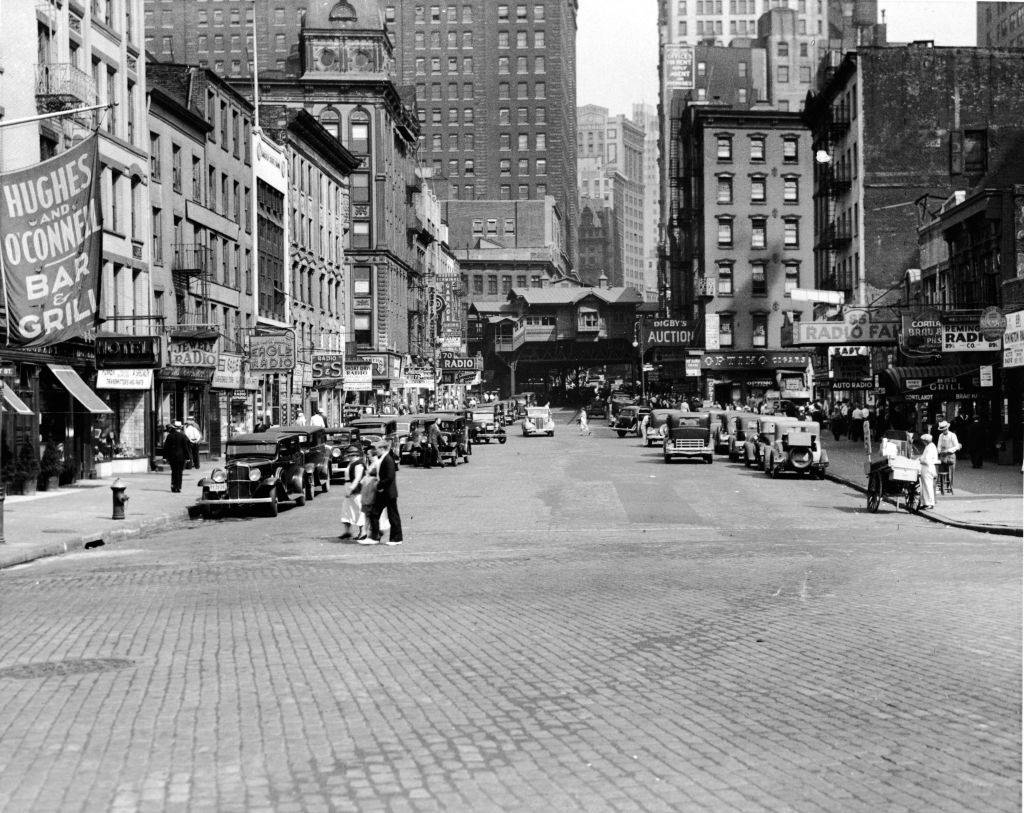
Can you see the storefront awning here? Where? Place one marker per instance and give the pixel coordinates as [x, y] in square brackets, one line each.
[74, 384]
[12, 400]
[902, 379]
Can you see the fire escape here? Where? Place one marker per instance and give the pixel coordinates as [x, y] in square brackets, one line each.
[191, 268]
[832, 183]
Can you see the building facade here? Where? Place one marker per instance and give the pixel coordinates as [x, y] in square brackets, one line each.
[63, 57]
[871, 170]
[496, 95]
[719, 22]
[746, 212]
[645, 116]
[1000, 24]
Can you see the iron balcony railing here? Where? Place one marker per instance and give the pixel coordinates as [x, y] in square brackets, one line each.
[61, 84]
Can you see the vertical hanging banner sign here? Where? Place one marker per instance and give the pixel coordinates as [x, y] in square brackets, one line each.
[52, 239]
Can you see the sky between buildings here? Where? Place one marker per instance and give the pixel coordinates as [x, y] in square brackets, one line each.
[617, 43]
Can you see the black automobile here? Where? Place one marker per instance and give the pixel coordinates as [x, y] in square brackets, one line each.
[261, 468]
[339, 439]
[316, 456]
[629, 419]
[372, 428]
[486, 426]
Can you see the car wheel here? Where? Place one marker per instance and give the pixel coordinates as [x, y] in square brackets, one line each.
[620, 433]
[310, 492]
[668, 458]
[501, 441]
[273, 502]
[709, 459]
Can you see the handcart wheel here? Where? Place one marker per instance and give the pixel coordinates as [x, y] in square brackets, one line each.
[912, 497]
[874, 493]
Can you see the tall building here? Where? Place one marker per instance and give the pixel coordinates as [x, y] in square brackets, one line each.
[719, 22]
[63, 57]
[496, 95]
[646, 117]
[791, 57]
[1000, 25]
[610, 153]
[746, 182]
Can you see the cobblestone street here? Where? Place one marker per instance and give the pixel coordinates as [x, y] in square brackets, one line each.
[570, 625]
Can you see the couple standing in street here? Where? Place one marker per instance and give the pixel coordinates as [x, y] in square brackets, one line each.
[370, 491]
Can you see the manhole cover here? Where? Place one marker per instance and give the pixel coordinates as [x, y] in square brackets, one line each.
[76, 666]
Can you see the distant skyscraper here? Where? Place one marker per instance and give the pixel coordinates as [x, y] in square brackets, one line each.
[496, 96]
[1000, 25]
[611, 172]
[646, 116]
[719, 22]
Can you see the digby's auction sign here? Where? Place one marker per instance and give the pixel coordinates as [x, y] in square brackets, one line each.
[51, 246]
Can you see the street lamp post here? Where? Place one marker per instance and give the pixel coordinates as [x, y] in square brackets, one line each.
[640, 344]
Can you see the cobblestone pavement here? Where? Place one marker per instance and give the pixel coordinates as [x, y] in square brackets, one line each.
[571, 625]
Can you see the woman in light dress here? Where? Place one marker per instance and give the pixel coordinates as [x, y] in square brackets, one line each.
[353, 519]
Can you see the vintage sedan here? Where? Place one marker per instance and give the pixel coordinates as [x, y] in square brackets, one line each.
[629, 420]
[372, 428]
[745, 427]
[261, 468]
[485, 426]
[455, 440]
[316, 456]
[538, 421]
[657, 426]
[797, 448]
[339, 439]
[689, 437]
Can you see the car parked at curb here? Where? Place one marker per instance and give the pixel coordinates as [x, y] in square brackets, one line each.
[797, 448]
[689, 437]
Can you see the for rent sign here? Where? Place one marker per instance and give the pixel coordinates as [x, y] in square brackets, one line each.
[52, 238]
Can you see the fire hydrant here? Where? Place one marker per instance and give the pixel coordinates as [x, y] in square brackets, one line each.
[117, 489]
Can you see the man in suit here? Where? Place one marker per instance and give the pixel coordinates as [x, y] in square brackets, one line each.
[176, 451]
[387, 496]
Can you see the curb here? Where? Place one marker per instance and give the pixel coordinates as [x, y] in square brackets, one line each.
[1001, 530]
[136, 530]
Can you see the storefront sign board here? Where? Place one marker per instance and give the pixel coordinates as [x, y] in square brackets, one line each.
[966, 339]
[753, 360]
[1013, 340]
[127, 352]
[667, 333]
[846, 332]
[923, 331]
[358, 376]
[124, 379]
[228, 375]
[272, 354]
[192, 353]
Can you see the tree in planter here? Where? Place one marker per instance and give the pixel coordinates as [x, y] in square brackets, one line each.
[50, 467]
[26, 468]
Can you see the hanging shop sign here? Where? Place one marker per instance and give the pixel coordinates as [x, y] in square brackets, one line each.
[668, 333]
[124, 379]
[127, 352]
[358, 376]
[985, 376]
[1013, 340]
[467, 378]
[858, 328]
[461, 363]
[328, 369]
[712, 326]
[962, 338]
[51, 247]
[922, 331]
[747, 360]
[273, 353]
[992, 324]
[379, 363]
[229, 374]
[693, 368]
[192, 353]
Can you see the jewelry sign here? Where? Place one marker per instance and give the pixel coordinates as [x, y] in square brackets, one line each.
[50, 253]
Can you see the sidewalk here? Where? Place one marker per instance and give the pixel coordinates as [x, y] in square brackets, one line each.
[50, 523]
[987, 499]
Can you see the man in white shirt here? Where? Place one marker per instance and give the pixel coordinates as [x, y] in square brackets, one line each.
[948, 446]
[928, 460]
[316, 419]
[194, 438]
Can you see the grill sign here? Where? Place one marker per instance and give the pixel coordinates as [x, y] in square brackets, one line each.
[668, 333]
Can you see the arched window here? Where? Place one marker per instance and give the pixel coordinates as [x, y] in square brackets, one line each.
[331, 120]
[359, 132]
[342, 12]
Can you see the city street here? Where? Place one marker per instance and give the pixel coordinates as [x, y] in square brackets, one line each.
[571, 624]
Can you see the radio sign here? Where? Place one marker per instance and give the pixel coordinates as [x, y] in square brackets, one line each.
[668, 333]
[461, 363]
[965, 339]
[272, 354]
[328, 367]
[192, 353]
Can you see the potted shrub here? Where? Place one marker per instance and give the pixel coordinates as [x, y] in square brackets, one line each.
[26, 469]
[50, 467]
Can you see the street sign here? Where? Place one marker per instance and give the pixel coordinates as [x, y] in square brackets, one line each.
[8, 371]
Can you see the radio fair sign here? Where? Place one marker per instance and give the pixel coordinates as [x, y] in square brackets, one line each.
[272, 354]
[1013, 340]
[51, 246]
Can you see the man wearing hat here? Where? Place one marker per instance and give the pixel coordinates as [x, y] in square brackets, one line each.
[387, 496]
[948, 446]
[176, 451]
[929, 457]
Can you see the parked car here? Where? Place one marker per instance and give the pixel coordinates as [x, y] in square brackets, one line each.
[485, 426]
[689, 436]
[261, 468]
[538, 421]
[629, 419]
[415, 450]
[746, 427]
[657, 426]
[522, 401]
[797, 448]
[619, 399]
[372, 428]
[338, 440]
[316, 457]
[455, 442]
[723, 424]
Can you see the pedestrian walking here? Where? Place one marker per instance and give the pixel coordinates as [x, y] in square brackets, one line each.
[300, 419]
[583, 422]
[948, 445]
[353, 518]
[928, 461]
[386, 498]
[977, 438]
[195, 437]
[176, 451]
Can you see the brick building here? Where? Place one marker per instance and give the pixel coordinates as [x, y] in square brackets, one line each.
[496, 94]
[1000, 24]
[891, 126]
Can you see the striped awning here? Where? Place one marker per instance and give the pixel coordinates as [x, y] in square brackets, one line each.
[895, 379]
[12, 400]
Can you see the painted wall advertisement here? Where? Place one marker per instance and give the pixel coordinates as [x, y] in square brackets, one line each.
[678, 62]
[52, 234]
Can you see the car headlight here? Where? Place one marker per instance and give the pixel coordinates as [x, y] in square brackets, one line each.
[255, 475]
[219, 476]
[335, 452]
[444, 438]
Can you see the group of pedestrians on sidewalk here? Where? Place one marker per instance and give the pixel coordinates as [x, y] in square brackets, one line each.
[371, 490]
